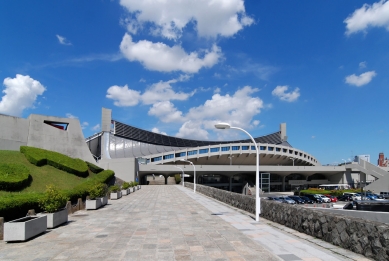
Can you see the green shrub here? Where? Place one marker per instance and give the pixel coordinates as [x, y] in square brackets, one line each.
[52, 200]
[93, 167]
[177, 177]
[40, 157]
[14, 206]
[98, 190]
[114, 188]
[82, 190]
[14, 176]
[125, 185]
[132, 184]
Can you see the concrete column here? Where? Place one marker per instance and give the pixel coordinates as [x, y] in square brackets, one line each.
[283, 183]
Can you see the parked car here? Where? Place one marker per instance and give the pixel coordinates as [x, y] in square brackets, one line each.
[307, 200]
[333, 198]
[384, 195]
[275, 199]
[325, 199]
[345, 198]
[287, 200]
[297, 199]
[314, 198]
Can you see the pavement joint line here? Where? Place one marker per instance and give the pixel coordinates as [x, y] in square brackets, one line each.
[336, 250]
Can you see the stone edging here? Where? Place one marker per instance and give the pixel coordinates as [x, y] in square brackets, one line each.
[368, 238]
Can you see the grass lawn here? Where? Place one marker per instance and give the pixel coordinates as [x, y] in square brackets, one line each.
[41, 176]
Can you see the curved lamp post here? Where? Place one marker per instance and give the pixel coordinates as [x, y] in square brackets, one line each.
[293, 160]
[194, 169]
[223, 125]
[183, 178]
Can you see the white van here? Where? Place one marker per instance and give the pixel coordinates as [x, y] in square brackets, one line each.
[384, 195]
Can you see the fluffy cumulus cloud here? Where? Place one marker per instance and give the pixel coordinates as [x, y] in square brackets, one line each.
[282, 94]
[166, 112]
[238, 109]
[375, 15]
[123, 96]
[163, 58]
[20, 93]
[360, 80]
[157, 92]
[156, 130]
[63, 40]
[169, 18]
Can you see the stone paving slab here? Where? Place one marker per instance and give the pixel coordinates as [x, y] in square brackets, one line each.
[154, 223]
[282, 241]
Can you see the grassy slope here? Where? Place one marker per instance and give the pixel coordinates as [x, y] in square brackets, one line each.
[41, 176]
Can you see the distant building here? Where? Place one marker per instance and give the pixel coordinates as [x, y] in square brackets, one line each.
[382, 161]
[363, 157]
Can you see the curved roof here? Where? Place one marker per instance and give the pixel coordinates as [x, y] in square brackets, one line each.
[133, 133]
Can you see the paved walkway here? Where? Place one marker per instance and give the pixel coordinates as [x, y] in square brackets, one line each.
[170, 223]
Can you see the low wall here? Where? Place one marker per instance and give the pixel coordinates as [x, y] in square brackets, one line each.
[361, 236]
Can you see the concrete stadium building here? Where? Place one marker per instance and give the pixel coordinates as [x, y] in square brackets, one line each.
[134, 154]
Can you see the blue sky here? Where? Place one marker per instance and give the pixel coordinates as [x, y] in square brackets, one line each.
[178, 67]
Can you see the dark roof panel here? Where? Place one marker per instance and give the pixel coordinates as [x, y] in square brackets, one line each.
[133, 133]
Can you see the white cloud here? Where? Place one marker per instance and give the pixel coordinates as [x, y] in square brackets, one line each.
[84, 125]
[166, 112]
[360, 80]
[96, 127]
[20, 93]
[281, 92]
[237, 109]
[362, 65]
[63, 40]
[157, 92]
[375, 15]
[71, 116]
[169, 18]
[156, 130]
[123, 96]
[163, 58]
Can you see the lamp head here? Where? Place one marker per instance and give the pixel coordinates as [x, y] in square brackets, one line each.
[222, 125]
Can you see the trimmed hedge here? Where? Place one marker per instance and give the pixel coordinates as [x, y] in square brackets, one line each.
[82, 190]
[93, 167]
[14, 176]
[15, 206]
[40, 157]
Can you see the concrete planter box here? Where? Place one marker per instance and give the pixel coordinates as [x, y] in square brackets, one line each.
[116, 195]
[138, 187]
[104, 201]
[57, 218]
[93, 203]
[125, 192]
[133, 189]
[24, 228]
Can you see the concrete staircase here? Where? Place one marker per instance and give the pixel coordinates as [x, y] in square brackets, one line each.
[382, 176]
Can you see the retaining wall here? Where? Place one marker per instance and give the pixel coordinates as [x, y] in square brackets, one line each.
[361, 236]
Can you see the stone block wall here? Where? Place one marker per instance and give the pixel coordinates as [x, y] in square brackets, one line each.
[361, 236]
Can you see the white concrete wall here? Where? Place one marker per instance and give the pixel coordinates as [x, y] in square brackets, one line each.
[70, 142]
[13, 132]
[124, 168]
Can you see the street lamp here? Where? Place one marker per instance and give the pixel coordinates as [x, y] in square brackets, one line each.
[223, 126]
[194, 169]
[183, 178]
[293, 160]
[344, 162]
[230, 157]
